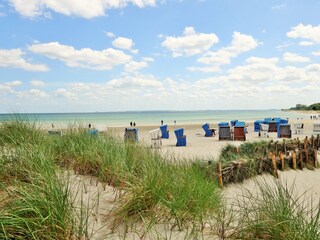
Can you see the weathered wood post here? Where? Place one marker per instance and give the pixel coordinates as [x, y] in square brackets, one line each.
[219, 174]
[294, 160]
[315, 158]
[281, 156]
[274, 165]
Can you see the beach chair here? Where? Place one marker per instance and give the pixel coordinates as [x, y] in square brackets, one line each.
[209, 132]
[181, 139]
[284, 131]
[264, 130]
[164, 131]
[239, 131]
[155, 136]
[131, 135]
[224, 131]
[298, 128]
[316, 128]
[273, 126]
[55, 132]
[257, 125]
[93, 132]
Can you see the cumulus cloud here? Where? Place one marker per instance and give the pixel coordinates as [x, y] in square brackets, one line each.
[292, 57]
[37, 83]
[316, 53]
[14, 58]
[81, 8]
[123, 43]
[14, 83]
[306, 32]
[191, 43]
[137, 81]
[240, 43]
[83, 58]
[306, 43]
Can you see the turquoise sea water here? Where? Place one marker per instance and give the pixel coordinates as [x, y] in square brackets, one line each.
[113, 119]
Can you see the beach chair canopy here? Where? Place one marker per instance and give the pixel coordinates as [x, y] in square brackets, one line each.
[223, 124]
[240, 124]
[233, 122]
[93, 131]
[179, 132]
[164, 131]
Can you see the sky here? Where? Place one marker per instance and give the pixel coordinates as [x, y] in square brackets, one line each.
[135, 55]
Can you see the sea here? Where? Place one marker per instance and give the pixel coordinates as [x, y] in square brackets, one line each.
[145, 118]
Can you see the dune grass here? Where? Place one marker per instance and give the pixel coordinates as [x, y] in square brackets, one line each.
[278, 213]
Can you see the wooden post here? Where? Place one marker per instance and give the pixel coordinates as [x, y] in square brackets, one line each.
[219, 174]
[284, 147]
[294, 160]
[281, 160]
[274, 165]
[315, 158]
[301, 159]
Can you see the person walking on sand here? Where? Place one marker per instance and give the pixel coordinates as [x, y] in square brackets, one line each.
[161, 122]
[130, 124]
[134, 124]
[89, 125]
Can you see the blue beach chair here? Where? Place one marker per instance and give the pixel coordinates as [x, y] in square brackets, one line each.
[209, 132]
[181, 139]
[233, 122]
[93, 132]
[164, 131]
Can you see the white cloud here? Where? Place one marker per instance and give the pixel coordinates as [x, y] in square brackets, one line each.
[136, 81]
[306, 43]
[81, 8]
[316, 53]
[14, 58]
[292, 57]
[191, 43]
[123, 43]
[38, 93]
[278, 7]
[14, 83]
[240, 43]
[37, 83]
[62, 92]
[306, 32]
[84, 58]
[110, 34]
[134, 66]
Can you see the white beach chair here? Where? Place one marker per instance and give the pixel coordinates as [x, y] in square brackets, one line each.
[264, 128]
[155, 136]
[298, 128]
[316, 128]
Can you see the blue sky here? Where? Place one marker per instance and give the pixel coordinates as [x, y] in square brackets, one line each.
[119, 55]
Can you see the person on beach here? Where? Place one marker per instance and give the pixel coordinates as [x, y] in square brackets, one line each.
[89, 125]
[175, 122]
[134, 124]
[161, 122]
[130, 124]
[52, 125]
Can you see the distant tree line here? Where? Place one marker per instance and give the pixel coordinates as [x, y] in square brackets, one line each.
[315, 106]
